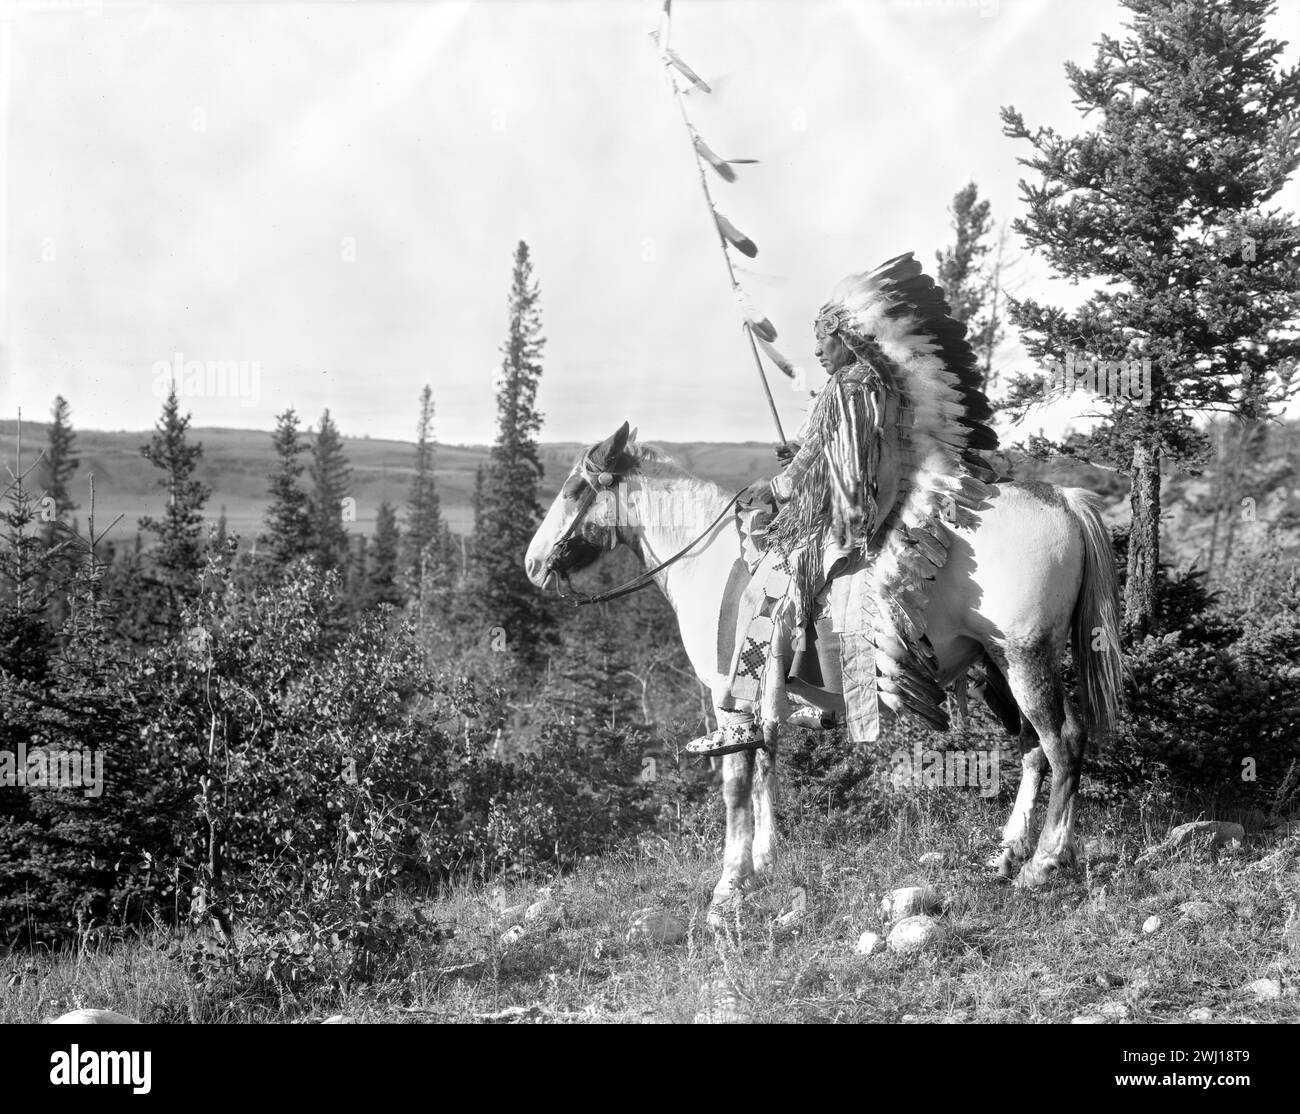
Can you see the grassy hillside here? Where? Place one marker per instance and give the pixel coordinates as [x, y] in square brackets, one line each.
[1203, 514]
[237, 463]
[1084, 947]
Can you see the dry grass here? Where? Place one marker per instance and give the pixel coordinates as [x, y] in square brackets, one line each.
[1077, 947]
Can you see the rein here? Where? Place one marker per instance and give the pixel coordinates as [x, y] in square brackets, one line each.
[606, 480]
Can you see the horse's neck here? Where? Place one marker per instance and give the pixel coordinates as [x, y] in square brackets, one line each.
[665, 515]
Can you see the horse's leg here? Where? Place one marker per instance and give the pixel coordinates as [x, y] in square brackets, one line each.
[1036, 684]
[764, 799]
[1018, 835]
[737, 858]
[1056, 841]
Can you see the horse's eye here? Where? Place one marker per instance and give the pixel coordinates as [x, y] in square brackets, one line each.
[572, 487]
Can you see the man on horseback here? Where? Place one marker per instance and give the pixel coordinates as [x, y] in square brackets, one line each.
[889, 454]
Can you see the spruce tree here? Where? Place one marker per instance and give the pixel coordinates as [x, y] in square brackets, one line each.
[331, 482]
[288, 518]
[381, 575]
[969, 282]
[426, 552]
[508, 511]
[60, 460]
[1165, 201]
[177, 558]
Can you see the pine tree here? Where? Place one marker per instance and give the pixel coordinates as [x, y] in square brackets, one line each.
[288, 518]
[61, 460]
[507, 507]
[426, 552]
[331, 482]
[1164, 202]
[179, 554]
[968, 282]
[382, 573]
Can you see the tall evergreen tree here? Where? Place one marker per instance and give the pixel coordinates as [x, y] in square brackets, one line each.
[968, 281]
[179, 554]
[426, 552]
[1165, 202]
[508, 511]
[382, 571]
[60, 458]
[288, 518]
[331, 482]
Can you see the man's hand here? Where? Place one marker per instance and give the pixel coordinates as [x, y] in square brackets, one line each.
[757, 494]
[786, 450]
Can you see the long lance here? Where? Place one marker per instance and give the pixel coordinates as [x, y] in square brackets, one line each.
[671, 63]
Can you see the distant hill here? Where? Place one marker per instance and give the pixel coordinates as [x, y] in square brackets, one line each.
[238, 462]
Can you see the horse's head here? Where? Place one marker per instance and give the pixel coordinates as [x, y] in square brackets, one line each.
[583, 521]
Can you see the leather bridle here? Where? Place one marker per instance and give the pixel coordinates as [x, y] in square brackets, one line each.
[597, 480]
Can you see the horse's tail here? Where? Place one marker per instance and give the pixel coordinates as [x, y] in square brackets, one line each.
[1094, 627]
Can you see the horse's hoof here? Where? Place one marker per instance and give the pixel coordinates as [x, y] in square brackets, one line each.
[1034, 875]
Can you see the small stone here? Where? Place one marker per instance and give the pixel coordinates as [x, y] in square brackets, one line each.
[909, 902]
[1088, 1019]
[1115, 1010]
[656, 926]
[931, 858]
[1151, 924]
[869, 943]
[339, 1019]
[512, 934]
[1264, 990]
[1221, 831]
[94, 1017]
[1200, 1013]
[913, 934]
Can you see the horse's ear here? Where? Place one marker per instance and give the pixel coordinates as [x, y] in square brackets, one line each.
[609, 450]
[631, 438]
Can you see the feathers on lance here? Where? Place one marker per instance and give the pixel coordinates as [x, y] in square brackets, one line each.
[733, 235]
[721, 165]
[776, 357]
[695, 79]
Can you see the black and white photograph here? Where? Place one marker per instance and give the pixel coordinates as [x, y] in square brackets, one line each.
[651, 512]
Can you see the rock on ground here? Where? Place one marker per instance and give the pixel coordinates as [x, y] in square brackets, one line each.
[913, 934]
[909, 902]
[656, 927]
[869, 943]
[1151, 924]
[94, 1017]
[1223, 832]
[1264, 990]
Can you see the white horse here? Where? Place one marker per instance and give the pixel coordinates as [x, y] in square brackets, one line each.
[1035, 573]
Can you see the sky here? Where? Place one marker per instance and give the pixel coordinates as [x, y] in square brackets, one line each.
[327, 196]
